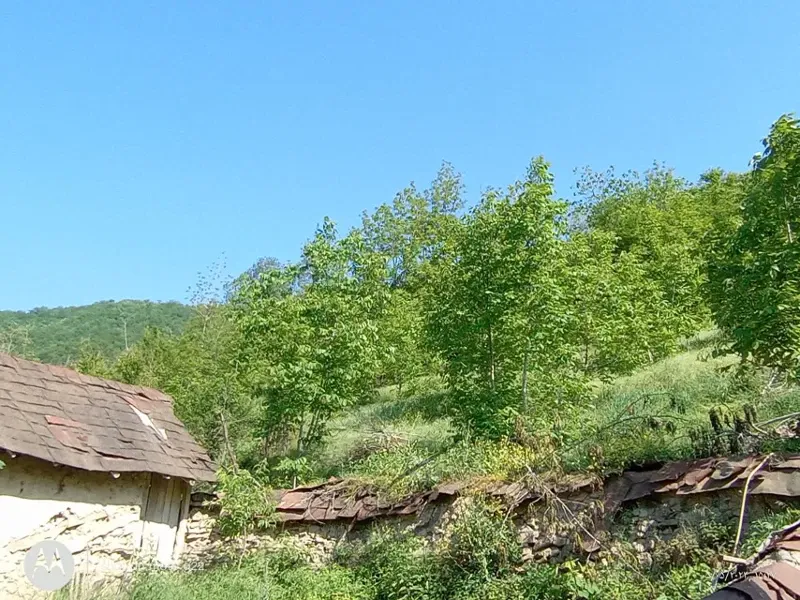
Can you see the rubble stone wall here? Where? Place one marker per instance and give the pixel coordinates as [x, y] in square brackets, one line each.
[653, 515]
[651, 528]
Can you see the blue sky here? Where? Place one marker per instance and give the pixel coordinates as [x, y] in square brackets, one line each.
[139, 141]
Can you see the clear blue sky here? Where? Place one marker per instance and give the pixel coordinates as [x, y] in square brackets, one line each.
[140, 141]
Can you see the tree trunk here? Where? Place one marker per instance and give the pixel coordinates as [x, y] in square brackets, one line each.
[585, 357]
[299, 447]
[491, 357]
[525, 381]
[227, 443]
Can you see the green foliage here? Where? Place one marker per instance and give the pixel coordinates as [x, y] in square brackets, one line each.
[245, 504]
[621, 320]
[92, 362]
[255, 578]
[407, 234]
[481, 543]
[497, 314]
[661, 413]
[312, 352]
[414, 467]
[403, 354]
[754, 274]
[16, 339]
[413, 228]
[660, 220]
[397, 565]
[759, 529]
[54, 335]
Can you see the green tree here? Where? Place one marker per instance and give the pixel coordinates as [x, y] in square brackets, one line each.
[311, 348]
[621, 318]
[657, 218]
[16, 339]
[497, 313]
[404, 354]
[754, 275]
[409, 231]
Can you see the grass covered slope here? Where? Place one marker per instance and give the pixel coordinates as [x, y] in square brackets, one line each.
[55, 335]
[659, 413]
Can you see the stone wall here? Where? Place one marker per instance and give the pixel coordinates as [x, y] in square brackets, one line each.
[103, 519]
[650, 530]
[646, 515]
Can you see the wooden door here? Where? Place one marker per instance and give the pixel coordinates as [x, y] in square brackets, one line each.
[167, 500]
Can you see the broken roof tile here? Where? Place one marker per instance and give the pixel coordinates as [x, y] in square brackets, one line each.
[60, 415]
[336, 500]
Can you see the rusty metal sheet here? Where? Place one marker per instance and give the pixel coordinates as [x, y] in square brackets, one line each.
[788, 464]
[669, 472]
[350, 510]
[692, 478]
[337, 500]
[641, 489]
[331, 514]
[450, 489]
[291, 516]
[364, 514]
[318, 502]
[726, 469]
[410, 509]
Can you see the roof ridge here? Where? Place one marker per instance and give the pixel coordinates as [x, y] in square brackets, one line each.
[149, 392]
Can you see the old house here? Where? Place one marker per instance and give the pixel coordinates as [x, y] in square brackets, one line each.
[106, 468]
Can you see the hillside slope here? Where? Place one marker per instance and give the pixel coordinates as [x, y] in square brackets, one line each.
[55, 335]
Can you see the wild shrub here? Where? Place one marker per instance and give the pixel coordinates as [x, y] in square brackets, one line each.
[481, 543]
[398, 565]
[245, 503]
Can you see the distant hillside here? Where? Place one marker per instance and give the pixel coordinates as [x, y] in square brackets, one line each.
[55, 335]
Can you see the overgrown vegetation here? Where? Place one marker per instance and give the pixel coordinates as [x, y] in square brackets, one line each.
[479, 557]
[523, 315]
[649, 319]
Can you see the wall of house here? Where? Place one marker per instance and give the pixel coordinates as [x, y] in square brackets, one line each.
[99, 517]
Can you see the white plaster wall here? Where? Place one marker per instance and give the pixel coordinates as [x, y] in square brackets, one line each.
[95, 515]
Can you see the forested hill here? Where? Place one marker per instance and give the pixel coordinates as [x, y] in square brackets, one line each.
[56, 335]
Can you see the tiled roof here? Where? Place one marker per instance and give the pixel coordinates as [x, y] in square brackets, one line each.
[59, 415]
[338, 500]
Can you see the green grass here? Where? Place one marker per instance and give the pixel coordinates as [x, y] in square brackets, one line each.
[478, 558]
[649, 416]
[657, 414]
[393, 422]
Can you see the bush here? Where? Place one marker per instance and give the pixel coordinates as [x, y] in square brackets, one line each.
[404, 469]
[398, 565]
[245, 504]
[481, 543]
